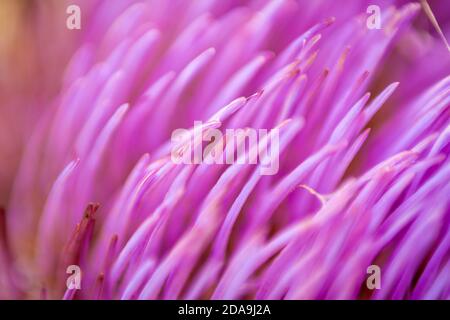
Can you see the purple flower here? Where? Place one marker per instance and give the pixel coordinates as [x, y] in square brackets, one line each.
[364, 141]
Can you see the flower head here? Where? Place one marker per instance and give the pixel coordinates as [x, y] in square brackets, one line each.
[363, 130]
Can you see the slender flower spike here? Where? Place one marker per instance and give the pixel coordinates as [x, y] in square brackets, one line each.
[279, 149]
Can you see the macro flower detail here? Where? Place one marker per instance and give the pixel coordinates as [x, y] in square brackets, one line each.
[362, 124]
